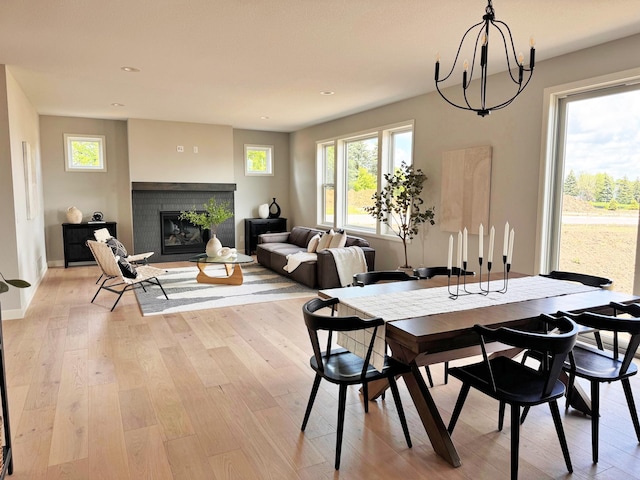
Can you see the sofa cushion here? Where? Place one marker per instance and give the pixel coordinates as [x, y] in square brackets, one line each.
[356, 242]
[299, 236]
[339, 240]
[313, 243]
[325, 240]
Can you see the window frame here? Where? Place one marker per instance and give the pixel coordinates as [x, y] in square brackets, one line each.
[385, 135]
[248, 171]
[69, 166]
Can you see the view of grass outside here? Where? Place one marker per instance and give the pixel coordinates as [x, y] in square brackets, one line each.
[601, 190]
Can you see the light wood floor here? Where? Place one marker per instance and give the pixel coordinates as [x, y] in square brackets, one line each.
[220, 394]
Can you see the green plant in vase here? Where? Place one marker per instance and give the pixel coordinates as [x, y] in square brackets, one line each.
[399, 206]
[213, 214]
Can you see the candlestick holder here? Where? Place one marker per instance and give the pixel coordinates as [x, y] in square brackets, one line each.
[454, 289]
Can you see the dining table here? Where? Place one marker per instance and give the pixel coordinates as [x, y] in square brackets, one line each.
[427, 327]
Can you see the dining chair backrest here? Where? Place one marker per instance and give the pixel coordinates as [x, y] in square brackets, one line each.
[369, 278]
[616, 325]
[316, 322]
[554, 346]
[591, 280]
[430, 272]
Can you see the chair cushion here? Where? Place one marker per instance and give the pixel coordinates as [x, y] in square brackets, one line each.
[128, 270]
[117, 247]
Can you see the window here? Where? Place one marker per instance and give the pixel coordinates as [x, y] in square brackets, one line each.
[351, 169]
[258, 159]
[84, 153]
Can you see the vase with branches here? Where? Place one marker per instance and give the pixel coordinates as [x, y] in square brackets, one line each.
[213, 214]
[399, 206]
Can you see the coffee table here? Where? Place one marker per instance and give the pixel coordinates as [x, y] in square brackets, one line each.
[231, 264]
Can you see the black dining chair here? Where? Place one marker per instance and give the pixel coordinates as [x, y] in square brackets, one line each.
[585, 279]
[512, 382]
[430, 272]
[343, 368]
[599, 366]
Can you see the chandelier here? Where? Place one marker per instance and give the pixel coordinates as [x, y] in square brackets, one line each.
[516, 69]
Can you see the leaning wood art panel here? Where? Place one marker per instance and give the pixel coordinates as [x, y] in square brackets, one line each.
[466, 189]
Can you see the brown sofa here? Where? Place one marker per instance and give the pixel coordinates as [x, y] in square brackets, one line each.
[273, 248]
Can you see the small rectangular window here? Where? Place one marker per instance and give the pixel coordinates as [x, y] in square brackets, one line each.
[258, 159]
[84, 153]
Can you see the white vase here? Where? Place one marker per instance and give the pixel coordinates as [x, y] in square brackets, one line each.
[213, 246]
[74, 215]
[263, 210]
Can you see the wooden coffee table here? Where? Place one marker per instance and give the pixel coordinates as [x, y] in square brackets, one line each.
[231, 264]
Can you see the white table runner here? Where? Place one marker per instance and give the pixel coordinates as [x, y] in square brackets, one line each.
[431, 301]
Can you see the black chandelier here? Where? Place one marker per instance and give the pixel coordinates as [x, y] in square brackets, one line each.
[517, 73]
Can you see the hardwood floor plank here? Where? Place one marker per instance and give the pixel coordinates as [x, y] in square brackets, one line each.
[136, 409]
[76, 470]
[233, 465]
[188, 460]
[107, 451]
[71, 425]
[147, 455]
[46, 375]
[31, 444]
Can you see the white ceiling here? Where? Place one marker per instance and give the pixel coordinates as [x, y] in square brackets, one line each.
[232, 62]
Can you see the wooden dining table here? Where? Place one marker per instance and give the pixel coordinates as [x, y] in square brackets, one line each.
[439, 337]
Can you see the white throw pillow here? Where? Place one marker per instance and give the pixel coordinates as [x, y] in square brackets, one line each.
[325, 240]
[313, 243]
[339, 240]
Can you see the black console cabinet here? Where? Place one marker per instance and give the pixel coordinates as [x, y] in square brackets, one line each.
[74, 239]
[257, 226]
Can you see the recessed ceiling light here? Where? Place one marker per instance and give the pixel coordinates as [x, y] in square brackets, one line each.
[327, 92]
[115, 104]
[130, 69]
[264, 117]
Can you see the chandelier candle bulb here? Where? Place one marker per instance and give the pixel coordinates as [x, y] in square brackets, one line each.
[450, 256]
[492, 234]
[481, 240]
[505, 244]
[510, 254]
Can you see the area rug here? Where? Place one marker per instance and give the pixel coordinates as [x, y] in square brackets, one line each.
[185, 294]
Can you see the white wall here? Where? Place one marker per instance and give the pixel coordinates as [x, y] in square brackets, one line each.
[23, 249]
[514, 133]
[153, 155]
[107, 192]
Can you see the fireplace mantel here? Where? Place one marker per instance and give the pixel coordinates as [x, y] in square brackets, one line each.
[191, 187]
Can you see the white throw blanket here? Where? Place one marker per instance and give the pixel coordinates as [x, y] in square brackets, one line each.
[349, 261]
[295, 259]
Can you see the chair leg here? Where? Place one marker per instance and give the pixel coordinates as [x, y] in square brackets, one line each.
[446, 372]
[365, 394]
[501, 416]
[595, 419]
[118, 299]
[396, 398]
[525, 410]
[312, 397]
[515, 440]
[569, 390]
[632, 406]
[555, 413]
[462, 396]
[161, 288]
[342, 401]
[428, 372]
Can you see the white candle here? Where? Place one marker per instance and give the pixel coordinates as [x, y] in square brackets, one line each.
[505, 244]
[459, 249]
[492, 234]
[450, 257]
[464, 245]
[510, 255]
[481, 240]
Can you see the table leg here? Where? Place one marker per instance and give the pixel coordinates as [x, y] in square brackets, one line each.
[234, 275]
[430, 416]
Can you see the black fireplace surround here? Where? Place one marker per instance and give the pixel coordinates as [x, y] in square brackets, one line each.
[150, 200]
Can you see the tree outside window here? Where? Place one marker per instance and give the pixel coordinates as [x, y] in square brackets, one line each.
[85, 153]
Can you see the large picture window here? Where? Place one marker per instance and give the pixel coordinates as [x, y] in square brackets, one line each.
[84, 153]
[351, 169]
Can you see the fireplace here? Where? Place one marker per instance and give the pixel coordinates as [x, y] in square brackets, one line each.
[150, 234]
[180, 236]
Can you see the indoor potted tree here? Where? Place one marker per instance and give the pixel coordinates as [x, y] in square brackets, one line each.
[399, 205]
[213, 214]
